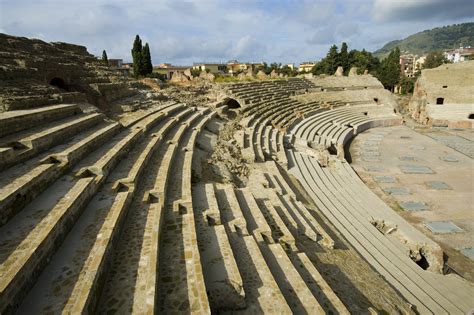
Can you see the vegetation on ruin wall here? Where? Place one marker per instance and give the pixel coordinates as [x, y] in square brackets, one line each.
[440, 38]
[434, 59]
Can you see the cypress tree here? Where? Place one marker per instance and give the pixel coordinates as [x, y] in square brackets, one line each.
[105, 60]
[389, 70]
[137, 57]
[344, 58]
[147, 66]
[332, 60]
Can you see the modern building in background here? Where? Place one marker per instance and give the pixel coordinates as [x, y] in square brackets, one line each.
[211, 67]
[407, 65]
[459, 54]
[306, 66]
[168, 70]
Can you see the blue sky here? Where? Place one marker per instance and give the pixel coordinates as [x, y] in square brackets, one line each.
[182, 32]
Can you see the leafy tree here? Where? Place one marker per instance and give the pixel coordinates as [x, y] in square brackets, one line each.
[363, 60]
[434, 59]
[105, 60]
[269, 68]
[319, 67]
[389, 70]
[146, 57]
[137, 57]
[332, 60]
[195, 72]
[407, 84]
[288, 71]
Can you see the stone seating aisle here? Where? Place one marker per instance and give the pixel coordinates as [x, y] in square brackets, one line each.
[266, 272]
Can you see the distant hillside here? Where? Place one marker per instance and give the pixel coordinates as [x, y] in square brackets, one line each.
[439, 38]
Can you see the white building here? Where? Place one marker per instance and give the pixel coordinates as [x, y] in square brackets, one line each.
[460, 54]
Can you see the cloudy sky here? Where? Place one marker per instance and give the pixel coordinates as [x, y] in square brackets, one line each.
[182, 32]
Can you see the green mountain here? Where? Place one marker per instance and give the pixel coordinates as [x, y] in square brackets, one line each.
[439, 38]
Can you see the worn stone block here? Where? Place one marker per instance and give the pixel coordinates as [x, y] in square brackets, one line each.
[448, 158]
[469, 252]
[407, 158]
[438, 185]
[385, 179]
[414, 206]
[416, 169]
[443, 227]
[375, 169]
[397, 191]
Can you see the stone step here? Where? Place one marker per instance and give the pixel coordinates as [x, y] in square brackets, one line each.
[32, 245]
[212, 212]
[280, 231]
[294, 289]
[25, 183]
[86, 258]
[32, 253]
[221, 274]
[262, 294]
[399, 273]
[255, 219]
[27, 144]
[293, 217]
[395, 248]
[181, 276]
[318, 286]
[230, 211]
[137, 249]
[18, 120]
[355, 188]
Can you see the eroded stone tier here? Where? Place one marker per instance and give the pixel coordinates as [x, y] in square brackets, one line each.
[35, 73]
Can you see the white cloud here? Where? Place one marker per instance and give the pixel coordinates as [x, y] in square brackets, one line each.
[217, 30]
[410, 10]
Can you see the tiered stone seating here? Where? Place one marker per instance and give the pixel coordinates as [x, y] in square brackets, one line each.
[270, 277]
[344, 200]
[64, 213]
[350, 210]
[35, 73]
[337, 126]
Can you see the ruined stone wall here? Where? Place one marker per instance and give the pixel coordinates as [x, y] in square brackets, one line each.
[451, 84]
[351, 82]
[27, 67]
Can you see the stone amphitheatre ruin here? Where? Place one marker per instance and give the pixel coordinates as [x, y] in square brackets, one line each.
[245, 203]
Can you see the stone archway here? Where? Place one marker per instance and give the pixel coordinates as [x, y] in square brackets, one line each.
[232, 103]
[59, 82]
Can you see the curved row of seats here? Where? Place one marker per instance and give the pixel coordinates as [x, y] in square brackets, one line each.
[351, 206]
[83, 216]
[335, 127]
[252, 260]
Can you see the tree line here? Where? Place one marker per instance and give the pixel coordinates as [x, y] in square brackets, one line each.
[387, 70]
